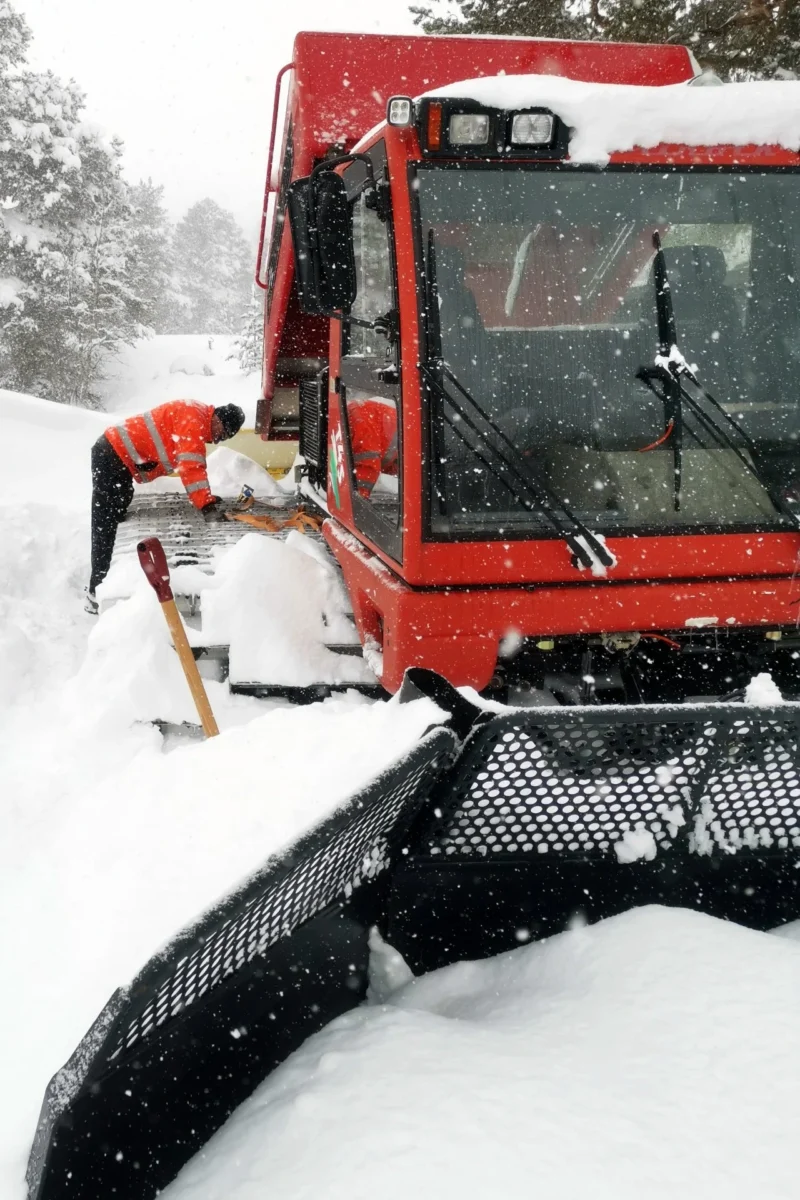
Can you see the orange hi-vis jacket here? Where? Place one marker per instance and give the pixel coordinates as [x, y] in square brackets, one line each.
[171, 437]
[373, 436]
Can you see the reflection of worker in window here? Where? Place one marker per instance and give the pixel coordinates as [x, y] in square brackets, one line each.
[373, 437]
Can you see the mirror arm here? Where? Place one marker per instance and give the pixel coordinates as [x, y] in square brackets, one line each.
[378, 198]
[378, 190]
[328, 164]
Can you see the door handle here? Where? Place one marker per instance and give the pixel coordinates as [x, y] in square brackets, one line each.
[388, 375]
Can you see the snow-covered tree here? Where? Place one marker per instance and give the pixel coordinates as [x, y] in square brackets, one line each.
[742, 39]
[66, 246]
[533, 18]
[15, 37]
[736, 38]
[151, 277]
[212, 265]
[249, 345]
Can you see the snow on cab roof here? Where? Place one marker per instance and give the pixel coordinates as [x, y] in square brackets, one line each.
[608, 118]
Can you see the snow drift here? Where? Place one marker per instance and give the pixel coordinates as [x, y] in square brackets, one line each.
[276, 604]
[46, 451]
[107, 844]
[654, 1054]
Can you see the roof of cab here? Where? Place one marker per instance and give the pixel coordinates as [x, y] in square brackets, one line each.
[342, 81]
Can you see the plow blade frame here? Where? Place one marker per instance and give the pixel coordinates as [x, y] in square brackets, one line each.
[551, 816]
[500, 829]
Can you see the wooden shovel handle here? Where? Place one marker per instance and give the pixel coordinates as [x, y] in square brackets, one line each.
[154, 564]
[193, 677]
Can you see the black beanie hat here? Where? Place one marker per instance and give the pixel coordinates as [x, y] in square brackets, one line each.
[232, 418]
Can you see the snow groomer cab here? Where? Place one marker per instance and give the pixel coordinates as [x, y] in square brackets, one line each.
[573, 282]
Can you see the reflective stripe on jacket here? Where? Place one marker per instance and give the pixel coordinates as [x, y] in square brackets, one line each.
[171, 437]
[373, 436]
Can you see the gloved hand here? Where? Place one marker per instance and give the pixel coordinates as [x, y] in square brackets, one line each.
[213, 511]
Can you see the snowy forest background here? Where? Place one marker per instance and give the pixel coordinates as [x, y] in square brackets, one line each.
[90, 262]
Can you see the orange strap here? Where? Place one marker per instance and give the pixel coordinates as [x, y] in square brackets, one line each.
[299, 519]
[257, 520]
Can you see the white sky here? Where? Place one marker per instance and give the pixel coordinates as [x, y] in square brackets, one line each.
[188, 84]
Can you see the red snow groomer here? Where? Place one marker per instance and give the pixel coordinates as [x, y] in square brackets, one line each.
[544, 382]
[572, 510]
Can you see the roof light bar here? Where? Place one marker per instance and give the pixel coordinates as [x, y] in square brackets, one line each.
[400, 111]
[464, 128]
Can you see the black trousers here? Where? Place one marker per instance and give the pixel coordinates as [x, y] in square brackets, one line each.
[112, 492]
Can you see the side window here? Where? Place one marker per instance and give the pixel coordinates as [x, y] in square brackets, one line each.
[370, 361]
[375, 295]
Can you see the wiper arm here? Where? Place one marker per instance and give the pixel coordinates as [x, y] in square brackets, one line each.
[670, 369]
[665, 371]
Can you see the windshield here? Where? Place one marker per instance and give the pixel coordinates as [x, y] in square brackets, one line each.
[547, 310]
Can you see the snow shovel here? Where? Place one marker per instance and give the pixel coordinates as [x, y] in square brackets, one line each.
[154, 564]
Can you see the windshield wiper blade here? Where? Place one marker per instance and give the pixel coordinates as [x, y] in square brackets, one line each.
[483, 438]
[670, 369]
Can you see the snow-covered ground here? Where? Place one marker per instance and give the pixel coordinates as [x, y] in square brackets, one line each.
[108, 844]
[653, 1055]
[656, 1054]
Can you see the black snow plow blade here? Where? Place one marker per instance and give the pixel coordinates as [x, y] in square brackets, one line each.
[498, 829]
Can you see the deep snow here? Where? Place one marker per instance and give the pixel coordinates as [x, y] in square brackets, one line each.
[656, 1054]
[108, 845]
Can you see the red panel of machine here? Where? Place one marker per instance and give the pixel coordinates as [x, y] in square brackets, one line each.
[343, 80]
[457, 631]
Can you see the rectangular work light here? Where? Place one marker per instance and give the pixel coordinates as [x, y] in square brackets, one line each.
[532, 129]
[468, 129]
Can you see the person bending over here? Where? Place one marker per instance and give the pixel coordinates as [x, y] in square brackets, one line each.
[171, 437]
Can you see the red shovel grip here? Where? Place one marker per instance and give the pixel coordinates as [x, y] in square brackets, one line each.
[154, 564]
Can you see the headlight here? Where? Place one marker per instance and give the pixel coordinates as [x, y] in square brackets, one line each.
[532, 129]
[468, 129]
[400, 110]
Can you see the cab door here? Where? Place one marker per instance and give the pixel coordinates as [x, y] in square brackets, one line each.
[370, 364]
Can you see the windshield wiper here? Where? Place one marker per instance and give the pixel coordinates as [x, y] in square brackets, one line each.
[670, 369]
[487, 442]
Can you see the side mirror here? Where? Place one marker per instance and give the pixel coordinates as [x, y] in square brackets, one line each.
[321, 221]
